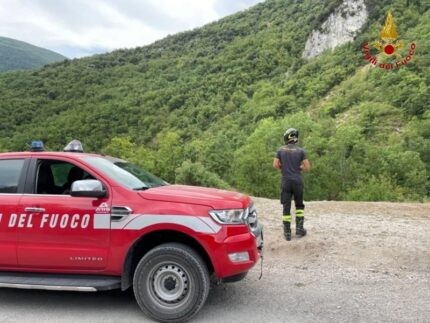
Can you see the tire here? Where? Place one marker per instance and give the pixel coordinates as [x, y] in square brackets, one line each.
[171, 283]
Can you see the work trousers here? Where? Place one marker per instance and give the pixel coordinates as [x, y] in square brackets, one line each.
[292, 188]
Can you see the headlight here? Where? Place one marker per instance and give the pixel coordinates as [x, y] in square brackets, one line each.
[233, 216]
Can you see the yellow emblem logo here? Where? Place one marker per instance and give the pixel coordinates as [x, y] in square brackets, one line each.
[388, 46]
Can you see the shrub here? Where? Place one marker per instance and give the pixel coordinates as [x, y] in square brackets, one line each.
[196, 174]
[375, 189]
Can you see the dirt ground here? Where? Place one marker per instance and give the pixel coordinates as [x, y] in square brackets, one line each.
[360, 262]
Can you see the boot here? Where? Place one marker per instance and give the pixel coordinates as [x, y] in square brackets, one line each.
[300, 230]
[287, 231]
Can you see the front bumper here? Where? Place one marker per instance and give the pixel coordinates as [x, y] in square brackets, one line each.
[249, 242]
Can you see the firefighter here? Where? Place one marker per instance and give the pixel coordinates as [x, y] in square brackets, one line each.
[291, 160]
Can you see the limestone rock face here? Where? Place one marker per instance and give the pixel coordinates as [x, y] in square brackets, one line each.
[340, 27]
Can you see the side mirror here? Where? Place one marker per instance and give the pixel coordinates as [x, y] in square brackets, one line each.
[87, 188]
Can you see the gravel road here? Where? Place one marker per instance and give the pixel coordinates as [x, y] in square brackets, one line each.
[361, 262]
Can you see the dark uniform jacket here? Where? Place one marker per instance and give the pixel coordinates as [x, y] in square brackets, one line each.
[291, 157]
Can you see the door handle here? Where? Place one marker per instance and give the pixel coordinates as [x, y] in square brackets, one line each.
[34, 209]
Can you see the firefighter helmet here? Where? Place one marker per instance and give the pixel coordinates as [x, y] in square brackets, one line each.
[291, 135]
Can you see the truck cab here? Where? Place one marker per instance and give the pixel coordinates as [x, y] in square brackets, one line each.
[87, 222]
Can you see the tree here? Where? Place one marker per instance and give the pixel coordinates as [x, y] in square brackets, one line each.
[169, 155]
[124, 148]
[252, 163]
[195, 174]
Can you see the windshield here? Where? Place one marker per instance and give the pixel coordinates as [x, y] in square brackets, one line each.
[125, 173]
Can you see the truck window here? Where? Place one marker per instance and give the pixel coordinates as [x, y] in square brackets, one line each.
[56, 176]
[125, 173]
[10, 171]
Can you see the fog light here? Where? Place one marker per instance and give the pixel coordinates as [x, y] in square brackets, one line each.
[239, 256]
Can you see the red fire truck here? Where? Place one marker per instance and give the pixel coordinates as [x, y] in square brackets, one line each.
[85, 222]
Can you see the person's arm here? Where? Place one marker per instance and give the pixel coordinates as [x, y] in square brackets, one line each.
[277, 160]
[276, 163]
[306, 165]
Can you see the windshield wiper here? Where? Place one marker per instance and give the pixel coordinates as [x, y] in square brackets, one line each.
[143, 188]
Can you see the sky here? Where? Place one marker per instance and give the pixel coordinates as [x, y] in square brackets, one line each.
[77, 28]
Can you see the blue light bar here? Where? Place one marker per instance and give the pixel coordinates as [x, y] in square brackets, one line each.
[37, 145]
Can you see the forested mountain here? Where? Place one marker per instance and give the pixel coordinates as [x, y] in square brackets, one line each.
[18, 55]
[209, 106]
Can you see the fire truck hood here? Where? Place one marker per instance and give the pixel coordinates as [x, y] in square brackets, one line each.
[215, 198]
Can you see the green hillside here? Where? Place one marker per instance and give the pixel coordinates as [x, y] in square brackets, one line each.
[18, 55]
[209, 106]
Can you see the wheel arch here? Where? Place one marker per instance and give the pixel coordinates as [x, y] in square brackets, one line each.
[153, 239]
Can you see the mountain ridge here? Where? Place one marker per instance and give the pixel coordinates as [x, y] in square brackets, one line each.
[16, 55]
[214, 101]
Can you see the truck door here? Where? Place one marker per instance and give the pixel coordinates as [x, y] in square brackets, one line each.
[59, 231]
[12, 178]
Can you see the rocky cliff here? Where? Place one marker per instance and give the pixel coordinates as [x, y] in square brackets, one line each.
[339, 28]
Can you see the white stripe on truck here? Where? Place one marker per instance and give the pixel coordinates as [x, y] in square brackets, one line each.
[141, 221]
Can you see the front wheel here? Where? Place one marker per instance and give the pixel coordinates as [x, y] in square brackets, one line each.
[171, 283]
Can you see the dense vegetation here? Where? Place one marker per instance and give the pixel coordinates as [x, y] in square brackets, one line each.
[210, 106]
[18, 55]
